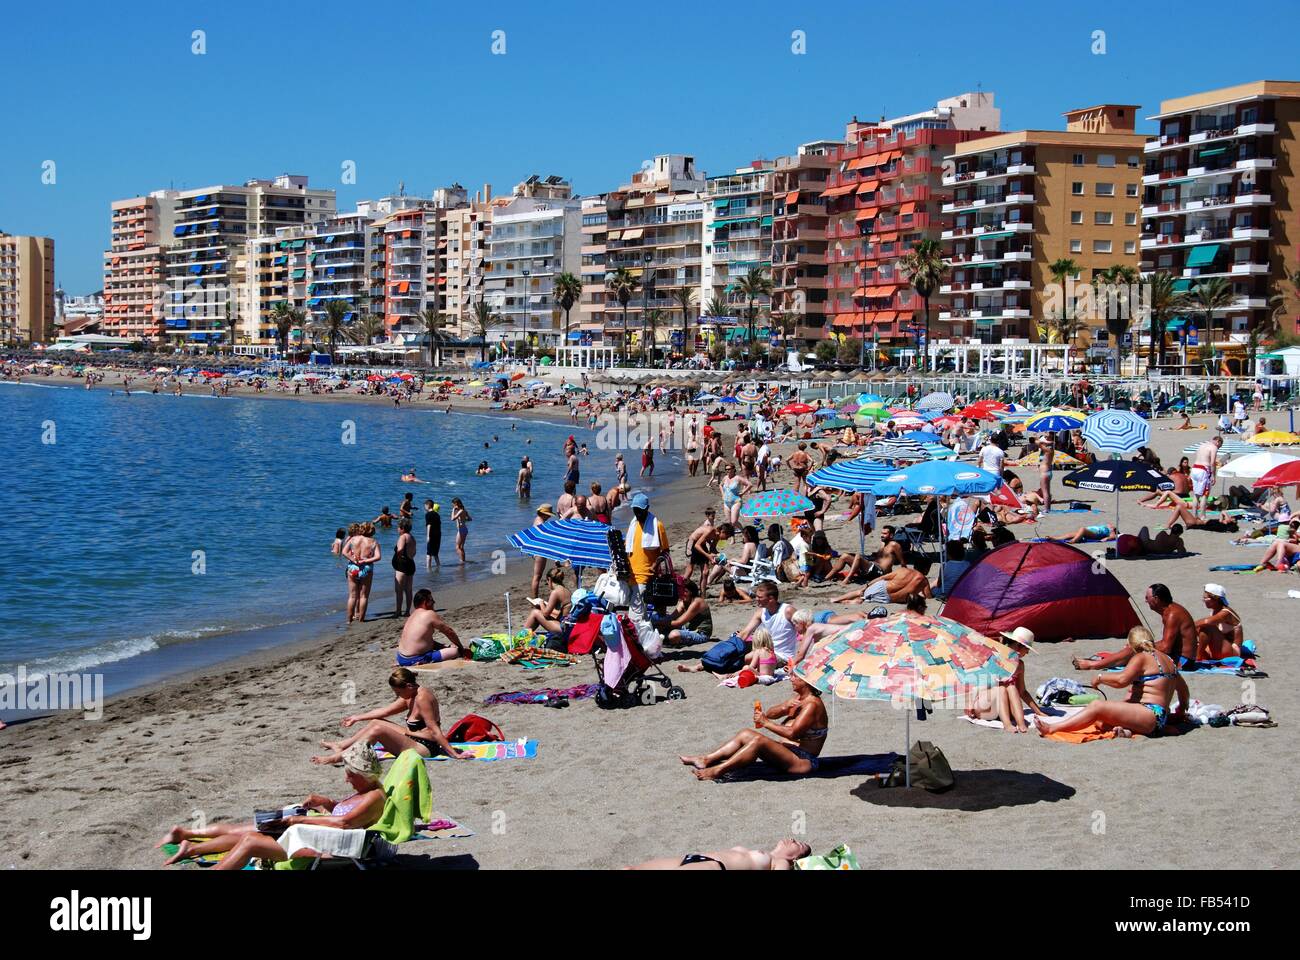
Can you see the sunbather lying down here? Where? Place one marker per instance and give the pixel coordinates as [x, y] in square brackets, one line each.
[780, 857]
[242, 842]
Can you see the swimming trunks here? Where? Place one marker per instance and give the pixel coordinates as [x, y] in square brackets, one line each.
[431, 656]
[1201, 480]
[876, 592]
[823, 616]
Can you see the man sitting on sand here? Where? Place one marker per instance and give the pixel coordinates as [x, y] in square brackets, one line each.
[800, 723]
[417, 644]
[780, 857]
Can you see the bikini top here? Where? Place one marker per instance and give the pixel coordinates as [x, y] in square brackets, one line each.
[1157, 676]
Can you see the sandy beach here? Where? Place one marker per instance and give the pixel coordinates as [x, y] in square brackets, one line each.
[607, 789]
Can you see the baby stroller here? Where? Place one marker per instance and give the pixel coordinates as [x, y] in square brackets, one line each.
[635, 682]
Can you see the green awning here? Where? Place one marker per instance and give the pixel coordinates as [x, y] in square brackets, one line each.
[1177, 323]
[1203, 256]
[1182, 286]
[1271, 356]
[298, 244]
[1214, 152]
[985, 321]
[736, 222]
[995, 236]
[299, 274]
[767, 222]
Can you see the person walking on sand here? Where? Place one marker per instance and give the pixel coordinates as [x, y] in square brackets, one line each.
[432, 534]
[460, 516]
[362, 553]
[1203, 468]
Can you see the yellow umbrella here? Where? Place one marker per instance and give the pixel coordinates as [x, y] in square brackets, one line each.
[1275, 438]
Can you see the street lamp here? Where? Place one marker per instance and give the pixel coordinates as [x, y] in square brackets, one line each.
[527, 274]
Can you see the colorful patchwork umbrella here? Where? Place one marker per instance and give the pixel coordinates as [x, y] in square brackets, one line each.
[751, 395]
[776, 503]
[909, 656]
[1116, 431]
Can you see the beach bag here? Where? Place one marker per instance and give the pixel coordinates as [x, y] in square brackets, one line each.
[930, 769]
[486, 648]
[472, 728]
[726, 656]
[663, 589]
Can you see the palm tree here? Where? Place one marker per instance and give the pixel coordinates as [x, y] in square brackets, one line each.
[481, 322]
[285, 319]
[434, 324]
[924, 268]
[365, 328]
[653, 319]
[1166, 303]
[1213, 294]
[753, 286]
[1117, 321]
[1066, 325]
[623, 283]
[1273, 326]
[685, 297]
[332, 327]
[567, 290]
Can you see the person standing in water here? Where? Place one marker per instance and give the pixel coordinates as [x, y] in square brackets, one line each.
[404, 566]
[432, 534]
[460, 516]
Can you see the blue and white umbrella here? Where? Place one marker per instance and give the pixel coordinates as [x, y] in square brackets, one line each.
[937, 401]
[1054, 420]
[583, 543]
[1116, 431]
[902, 448]
[1229, 448]
[852, 476]
[938, 478]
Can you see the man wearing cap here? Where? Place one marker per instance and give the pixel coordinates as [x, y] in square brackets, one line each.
[1007, 700]
[1219, 635]
[646, 539]
[544, 512]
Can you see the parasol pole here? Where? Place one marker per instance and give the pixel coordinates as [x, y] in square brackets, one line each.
[907, 746]
[509, 629]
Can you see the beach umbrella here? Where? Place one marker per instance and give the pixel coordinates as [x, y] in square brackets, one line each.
[836, 423]
[852, 476]
[978, 413]
[865, 399]
[1116, 475]
[795, 410]
[1054, 420]
[1274, 438]
[906, 657]
[935, 450]
[1253, 466]
[583, 543]
[902, 448]
[1283, 475]
[937, 401]
[1004, 496]
[1231, 448]
[776, 503]
[825, 412]
[728, 400]
[752, 395]
[1116, 431]
[940, 478]
[1059, 462]
[849, 407]
[705, 398]
[545, 361]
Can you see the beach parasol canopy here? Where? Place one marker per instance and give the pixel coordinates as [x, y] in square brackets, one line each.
[852, 476]
[902, 448]
[751, 395]
[825, 412]
[1112, 476]
[1274, 438]
[1253, 466]
[906, 656]
[795, 410]
[776, 503]
[1054, 420]
[1283, 475]
[1116, 431]
[1230, 448]
[937, 401]
[943, 478]
[836, 423]
[583, 543]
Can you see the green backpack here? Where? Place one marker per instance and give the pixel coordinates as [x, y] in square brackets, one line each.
[930, 769]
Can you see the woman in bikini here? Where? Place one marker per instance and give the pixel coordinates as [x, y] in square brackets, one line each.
[1151, 674]
[780, 857]
[549, 615]
[420, 731]
[1219, 635]
[733, 489]
[460, 516]
[362, 553]
[404, 567]
[800, 723]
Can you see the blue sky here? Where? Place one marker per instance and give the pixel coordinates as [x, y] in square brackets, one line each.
[412, 92]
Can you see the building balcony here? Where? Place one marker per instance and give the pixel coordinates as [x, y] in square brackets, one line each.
[1247, 269]
[991, 173]
[974, 232]
[985, 313]
[1191, 205]
[1158, 144]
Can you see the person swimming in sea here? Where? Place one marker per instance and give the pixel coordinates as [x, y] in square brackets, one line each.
[410, 477]
[385, 519]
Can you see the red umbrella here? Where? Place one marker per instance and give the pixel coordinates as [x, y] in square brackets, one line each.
[978, 413]
[1283, 475]
[794, 410]
[374, 378]
[1004, 496]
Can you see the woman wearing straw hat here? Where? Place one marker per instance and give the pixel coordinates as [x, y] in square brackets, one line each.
[242, 842]
[1007, 701]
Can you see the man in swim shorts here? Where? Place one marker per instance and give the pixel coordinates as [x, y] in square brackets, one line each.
[1207, 459]
[417, 645]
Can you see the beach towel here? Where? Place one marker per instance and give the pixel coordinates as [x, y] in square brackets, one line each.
[848, 765]
[1228, 665]
[583, 691]
[410, 798]
[1057, 713]
[207, 860]
[522, 749]
[841, 858]
[1093, 731]
[1234, 567]
[443, 829]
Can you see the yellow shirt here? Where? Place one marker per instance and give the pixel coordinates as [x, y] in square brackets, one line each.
[643, 560]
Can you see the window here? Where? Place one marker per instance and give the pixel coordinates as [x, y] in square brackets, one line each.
[1130, 246]
[1102, 218]
[1105, 160]
[1130, 219]
[1076, 188]
[1133, 160]
[1076, 246]
[1105, 189]
[1076, 216]
[1165, 262]
[1130, 189]
[1078, 159]
[1101, 246]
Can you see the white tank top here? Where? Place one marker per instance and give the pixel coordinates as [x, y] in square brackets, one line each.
[784, 640]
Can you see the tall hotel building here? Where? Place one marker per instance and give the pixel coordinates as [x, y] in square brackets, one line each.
[26, 289]
[139, 230]
[885, 193]
[536, 234]
[737, 236]
[1022, 201]
[799, 279]
[591, 308]
[212, 230]
[1221, 198]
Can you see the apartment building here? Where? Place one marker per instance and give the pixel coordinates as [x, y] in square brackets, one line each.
[799, 279]
[884, 194]
[591, 266]
[1221, 198]
[737, 236]
[1025, 200]
[26, 289]
[655, 229]
[140, 229]
[467, 230]
[213, 227]
[536, 234]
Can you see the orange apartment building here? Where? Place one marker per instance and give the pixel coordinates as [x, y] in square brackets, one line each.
[799, 279]
[26, 289]
[1024, 200]
[139, 228]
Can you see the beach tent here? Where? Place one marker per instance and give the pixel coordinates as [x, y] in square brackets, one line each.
[1054, 589]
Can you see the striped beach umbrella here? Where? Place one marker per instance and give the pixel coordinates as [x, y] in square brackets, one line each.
[1054, 420]
[776, 503]
[1116, 431]
[851, 476]
[902, 448]
[583, 543]
[937, 401]
[750, 395]
[1229, 448]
